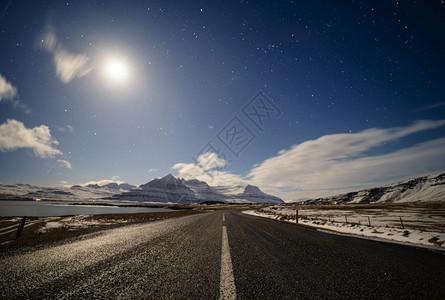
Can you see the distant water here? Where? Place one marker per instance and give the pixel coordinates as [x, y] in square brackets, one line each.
[57, 209]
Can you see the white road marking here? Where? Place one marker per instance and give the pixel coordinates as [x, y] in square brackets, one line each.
[227, 283]
[224, 217]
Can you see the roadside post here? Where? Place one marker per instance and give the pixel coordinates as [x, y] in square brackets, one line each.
[297, 216]
[401, 222]
[21, 226]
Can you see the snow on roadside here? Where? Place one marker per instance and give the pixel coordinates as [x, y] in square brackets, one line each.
[435, 238]
[73, 223]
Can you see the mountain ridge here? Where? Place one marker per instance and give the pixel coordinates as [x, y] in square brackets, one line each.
[424, 188]
[165, 190]
[170, 189]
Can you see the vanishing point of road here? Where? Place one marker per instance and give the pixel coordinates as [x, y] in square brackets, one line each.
[219, 255]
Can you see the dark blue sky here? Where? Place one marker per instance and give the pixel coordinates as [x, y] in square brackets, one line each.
[342, 75]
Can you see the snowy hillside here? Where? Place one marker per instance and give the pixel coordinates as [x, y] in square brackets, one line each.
[427, 188]
[75, 192]
[175, 190]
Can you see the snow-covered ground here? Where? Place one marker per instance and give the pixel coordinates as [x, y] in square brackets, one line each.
[421, 226]
[73, 223]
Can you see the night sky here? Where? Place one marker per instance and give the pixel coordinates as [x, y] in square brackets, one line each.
[302, 98]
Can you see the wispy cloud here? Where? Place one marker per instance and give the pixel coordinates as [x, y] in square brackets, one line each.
[7, 90]
[68, 65]
[14, 135]
[64, 163]
[68, 128]
[337, 163]
[432, 106]
[48, 40]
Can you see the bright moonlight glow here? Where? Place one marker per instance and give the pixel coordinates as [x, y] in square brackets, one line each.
[116, 70]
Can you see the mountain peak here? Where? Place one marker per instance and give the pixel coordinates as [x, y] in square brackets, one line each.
[251, 189]
[169, 176]
[168, 181]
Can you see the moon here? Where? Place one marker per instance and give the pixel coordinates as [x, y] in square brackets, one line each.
[116, 70]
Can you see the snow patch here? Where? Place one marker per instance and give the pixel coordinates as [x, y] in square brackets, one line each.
[421, 227]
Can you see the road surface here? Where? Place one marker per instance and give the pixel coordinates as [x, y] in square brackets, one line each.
[219, 255]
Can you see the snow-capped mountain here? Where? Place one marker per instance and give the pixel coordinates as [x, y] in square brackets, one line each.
[176, 190]
[427, 188]
[163, 190]
[74, 193]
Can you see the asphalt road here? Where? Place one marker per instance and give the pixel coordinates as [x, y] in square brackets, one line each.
[219, 255]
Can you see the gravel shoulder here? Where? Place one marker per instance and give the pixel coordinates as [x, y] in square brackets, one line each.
[54, 228]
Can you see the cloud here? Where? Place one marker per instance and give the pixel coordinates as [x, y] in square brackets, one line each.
[331, 164]
[48, 41]
[206, 169]
[7, 90]
[16, 103]
[68, 65]
[432, 106]
[152, 170]
[64, 163]
[68, 128]
[103, 181]
[210, 160]
[14, 135]
[337, 163]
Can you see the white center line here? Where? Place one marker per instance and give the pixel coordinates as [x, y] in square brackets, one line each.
[224, 217]
[227, 283]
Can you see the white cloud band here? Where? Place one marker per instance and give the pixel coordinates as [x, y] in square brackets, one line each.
[332, 164]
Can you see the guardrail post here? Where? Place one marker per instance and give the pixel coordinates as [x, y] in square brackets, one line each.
[21, 226]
